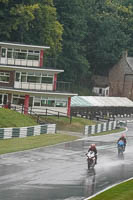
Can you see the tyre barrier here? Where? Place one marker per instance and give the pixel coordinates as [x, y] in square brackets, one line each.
[6, 133]
[107, 126]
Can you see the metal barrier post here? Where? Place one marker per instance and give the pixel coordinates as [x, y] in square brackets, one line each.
[38, 118]
[22, 108]
[70, 119]
[30, 110]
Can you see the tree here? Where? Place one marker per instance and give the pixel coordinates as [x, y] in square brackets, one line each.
[32, 22]
[107, 37]
[73, 56]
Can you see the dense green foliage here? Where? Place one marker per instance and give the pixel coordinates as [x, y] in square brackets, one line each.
[107, 38]
[31, 22]
[101, 31]
[73, 57]
[86, 36]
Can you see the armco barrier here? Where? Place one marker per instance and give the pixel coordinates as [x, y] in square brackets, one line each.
[100, 127]
[6, 133]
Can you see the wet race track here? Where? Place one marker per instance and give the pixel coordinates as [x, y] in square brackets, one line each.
[60, 172]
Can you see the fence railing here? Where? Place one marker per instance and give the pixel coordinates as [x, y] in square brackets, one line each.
[37, 113]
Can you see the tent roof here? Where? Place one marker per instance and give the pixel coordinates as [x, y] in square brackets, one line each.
[98, 101]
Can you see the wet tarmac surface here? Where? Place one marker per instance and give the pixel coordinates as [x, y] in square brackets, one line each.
[60, 172]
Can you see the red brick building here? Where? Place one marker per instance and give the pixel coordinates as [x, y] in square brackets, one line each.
[121, 78]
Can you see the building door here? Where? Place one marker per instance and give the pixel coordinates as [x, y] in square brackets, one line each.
[3, 99]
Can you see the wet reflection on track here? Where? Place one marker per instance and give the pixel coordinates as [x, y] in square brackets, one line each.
[89, 182]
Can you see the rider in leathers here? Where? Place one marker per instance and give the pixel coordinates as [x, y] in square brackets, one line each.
[93, 148]
[123, 138]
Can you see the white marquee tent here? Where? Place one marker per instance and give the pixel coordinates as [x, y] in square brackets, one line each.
[98, 101]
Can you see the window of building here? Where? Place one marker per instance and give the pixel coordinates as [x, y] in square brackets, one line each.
[100, 90]
[17, 76]
[18, 99]
[43, 102]
[3, 98]
[22, 50]
[9, 54]
[36, 57]
[33, 79]
[32, 55]
[0, 98]
[17, 50]
[49, 102]
[60, 103]
[15, 55]
[47, 80]
[4, 76]
[20, 54]
[3, 52]
[37, 101]
[23, 73]
[23, 78]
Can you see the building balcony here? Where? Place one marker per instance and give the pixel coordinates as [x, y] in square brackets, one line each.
[49, 63]
[60, 86]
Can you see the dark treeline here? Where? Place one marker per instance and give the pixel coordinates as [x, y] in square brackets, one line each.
[86, 36]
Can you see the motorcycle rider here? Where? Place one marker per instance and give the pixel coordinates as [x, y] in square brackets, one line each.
[123, 138]
[94, 149]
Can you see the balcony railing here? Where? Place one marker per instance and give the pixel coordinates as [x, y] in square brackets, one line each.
[61, 86]
[64, 86]
[49, 63]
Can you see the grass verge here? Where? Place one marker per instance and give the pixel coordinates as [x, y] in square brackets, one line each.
[124, 191]
[20, 144]
[63, 123]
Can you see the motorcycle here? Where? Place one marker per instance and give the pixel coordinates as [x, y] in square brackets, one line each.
[121, 149]
[91, 160]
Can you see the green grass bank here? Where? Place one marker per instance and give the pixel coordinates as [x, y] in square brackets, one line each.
[123, 191]
[63, 123]
[10, 118]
